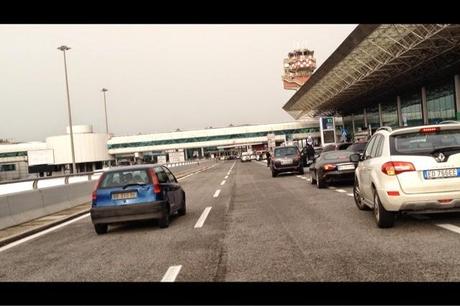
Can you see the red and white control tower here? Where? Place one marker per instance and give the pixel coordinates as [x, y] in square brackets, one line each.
[298, 67]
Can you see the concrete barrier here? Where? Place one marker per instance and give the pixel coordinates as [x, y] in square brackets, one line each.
[5, 216]
[55, 199]
[25, 206]
[81, 192]
[20, 207]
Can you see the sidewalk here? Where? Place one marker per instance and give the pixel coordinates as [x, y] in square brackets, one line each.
[20, 231]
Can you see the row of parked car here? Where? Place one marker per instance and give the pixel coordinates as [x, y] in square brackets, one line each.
[405, 170]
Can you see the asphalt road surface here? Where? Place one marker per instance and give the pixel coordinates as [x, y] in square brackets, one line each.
[244, 225]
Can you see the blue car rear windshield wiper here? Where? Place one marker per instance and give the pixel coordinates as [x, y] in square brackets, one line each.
[133, 184]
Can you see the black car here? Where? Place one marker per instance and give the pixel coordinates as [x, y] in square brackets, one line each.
[357, 147]
[333, 166]
[336, 147]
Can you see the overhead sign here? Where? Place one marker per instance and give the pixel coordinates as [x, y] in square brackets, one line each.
[327, 129]
[40, 157]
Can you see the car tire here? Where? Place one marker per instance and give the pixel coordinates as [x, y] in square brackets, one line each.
[320, 183]
[312, 178]
[101, 228]
[274, 173]
[383, 218]
[164, 221]
[183, 210]
[357, 196]
[301, 171]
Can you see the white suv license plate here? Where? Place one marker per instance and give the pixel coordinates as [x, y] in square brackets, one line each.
[286, 162]
[345, 167]
[440, 173]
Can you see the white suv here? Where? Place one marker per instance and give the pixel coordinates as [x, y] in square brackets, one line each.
[409, 170]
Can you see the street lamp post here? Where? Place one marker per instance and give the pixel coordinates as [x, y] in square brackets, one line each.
[104, 90]
[64, 49]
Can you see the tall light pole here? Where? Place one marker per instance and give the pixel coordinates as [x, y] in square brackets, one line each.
[104, 90]
[64, 49]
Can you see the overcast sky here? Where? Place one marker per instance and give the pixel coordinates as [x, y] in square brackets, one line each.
[159, 77]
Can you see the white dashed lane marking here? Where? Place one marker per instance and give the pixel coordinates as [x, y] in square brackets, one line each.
[450, 227]
[203, 217]
[171, 274]
[223, 182]
[216, 194]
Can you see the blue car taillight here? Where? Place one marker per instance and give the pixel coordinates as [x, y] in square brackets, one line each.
[94, 195]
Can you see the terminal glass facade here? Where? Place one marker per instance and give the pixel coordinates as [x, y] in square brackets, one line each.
[359, 122]
[390, 114]
[440, 102]
[411, 109]
[373, 117]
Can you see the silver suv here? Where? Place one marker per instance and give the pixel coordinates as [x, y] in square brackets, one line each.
[410, 170]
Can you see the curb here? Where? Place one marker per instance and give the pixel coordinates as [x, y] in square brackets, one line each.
[32, 231]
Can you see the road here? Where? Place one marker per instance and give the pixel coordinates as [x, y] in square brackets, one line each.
[257, 228]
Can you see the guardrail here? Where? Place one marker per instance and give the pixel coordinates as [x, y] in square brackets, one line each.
[13, 186]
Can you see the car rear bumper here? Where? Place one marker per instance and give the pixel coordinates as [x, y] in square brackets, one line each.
[286, 168]
[342, 175]
[421, 203]
[132, 212]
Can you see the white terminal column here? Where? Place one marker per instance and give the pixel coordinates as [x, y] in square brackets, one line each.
[380, 115]
[398, 109]
[424, 106]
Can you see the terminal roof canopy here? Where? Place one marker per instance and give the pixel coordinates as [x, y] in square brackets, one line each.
[374, 61]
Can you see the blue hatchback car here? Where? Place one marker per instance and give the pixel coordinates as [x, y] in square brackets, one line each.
[136, 193]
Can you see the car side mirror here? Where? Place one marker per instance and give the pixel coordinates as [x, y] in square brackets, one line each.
[355, 157]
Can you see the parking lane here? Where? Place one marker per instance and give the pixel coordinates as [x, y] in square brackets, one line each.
[287, 229]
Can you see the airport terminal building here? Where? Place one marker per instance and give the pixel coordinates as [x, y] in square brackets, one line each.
[387, 75]
[93, 151]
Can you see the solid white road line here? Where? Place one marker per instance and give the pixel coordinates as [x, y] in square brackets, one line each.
[223, 182]
[450, 227]
[203, 217]
[171, 274]
[216, 194]
[184, 177]
[20, 241]
[340, 190]
[226, 177]
[349, 194]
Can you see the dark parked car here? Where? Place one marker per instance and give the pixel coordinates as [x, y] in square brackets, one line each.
[333, 166]
[357, 147]
[336, 146]
[286, 159]
[136, 193]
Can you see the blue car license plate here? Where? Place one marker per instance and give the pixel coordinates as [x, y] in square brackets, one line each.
[441, 173]
[124, 195]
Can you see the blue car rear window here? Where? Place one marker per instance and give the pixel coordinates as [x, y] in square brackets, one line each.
[122, 178]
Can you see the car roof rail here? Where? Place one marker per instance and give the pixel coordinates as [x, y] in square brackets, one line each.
[385, 128]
